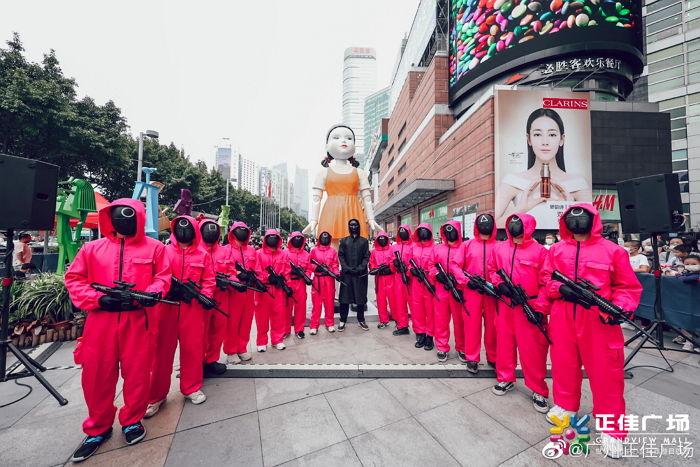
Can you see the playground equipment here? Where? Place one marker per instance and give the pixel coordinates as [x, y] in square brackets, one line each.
[74, 201]
[152, 211]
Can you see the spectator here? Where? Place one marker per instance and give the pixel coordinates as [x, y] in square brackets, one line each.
[22, 260]
[690, 274]
[639, 262]
[667, 258]
[680, 252]
[549, 240]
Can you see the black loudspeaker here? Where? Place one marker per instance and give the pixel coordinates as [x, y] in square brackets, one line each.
[27, 193]
[651, 204]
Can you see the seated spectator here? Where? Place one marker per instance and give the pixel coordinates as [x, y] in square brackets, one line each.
[691, 268]
[666, 257]
[638, 261]
[680, 252]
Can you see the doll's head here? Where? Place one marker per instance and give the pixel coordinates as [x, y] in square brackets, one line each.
[340, 144]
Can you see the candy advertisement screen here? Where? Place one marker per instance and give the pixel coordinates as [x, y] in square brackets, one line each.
[490, 37]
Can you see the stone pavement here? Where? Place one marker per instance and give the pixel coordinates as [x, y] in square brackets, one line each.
[335, 422]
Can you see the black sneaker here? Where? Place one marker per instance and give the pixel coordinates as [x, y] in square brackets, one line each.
[429, 343]
[441, 356]
[382, 325]
[89, 446]
[214, 368]
[420, 340]
[363, 325]
[300, 335]
[134, 433]
[503, 387]
[539, 402]
[341, 326]
[401, 331]
[473, 367]
[491, 364]
[462, 358]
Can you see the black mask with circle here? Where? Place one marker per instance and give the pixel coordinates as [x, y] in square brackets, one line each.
[272, 241]
[241, 234]
[485, 224]
[424, 235]
[210, 232]
[578, 221]
[123, 220]
[184, 230]
[354, 227]
[451, 233]
[516, 227]
[383, 241]
[403, 234]
[297, 242]
[324, 239]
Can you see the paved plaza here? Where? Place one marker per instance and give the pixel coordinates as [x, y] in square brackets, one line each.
[335, 422]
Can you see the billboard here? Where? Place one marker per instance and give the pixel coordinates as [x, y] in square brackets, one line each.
[490, 37]
[542, 153]
[607, 203]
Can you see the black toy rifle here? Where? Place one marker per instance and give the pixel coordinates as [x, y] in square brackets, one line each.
[420, 273]
[122, 287]
[451, 287]
[485, 287]
[299, 271]
[328, 272]
[518, 296]
[190, 290]
[280, 282]
[253, 279]
[224, 281]
[402, 270]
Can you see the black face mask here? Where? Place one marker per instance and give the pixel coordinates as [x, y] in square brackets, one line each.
[241, 233]
[579, 221]
[485, 224]
[184, 231]
[123, 220]
[424, 234]
[451, 233]
[297, 242]
[272, 241]
[383, 241]
[210, 232]
[324, 239]
[403, 234]
[354, 227]
[515, 227]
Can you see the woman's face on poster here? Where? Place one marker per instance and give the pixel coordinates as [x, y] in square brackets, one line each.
[545, 138]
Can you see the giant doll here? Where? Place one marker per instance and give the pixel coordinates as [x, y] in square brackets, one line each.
[342, 181]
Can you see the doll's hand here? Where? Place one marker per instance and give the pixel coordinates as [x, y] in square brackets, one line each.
[311, 228]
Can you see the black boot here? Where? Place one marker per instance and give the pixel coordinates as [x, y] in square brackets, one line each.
[214, 368]
[420, 340]
[428, 345]
[401, 331]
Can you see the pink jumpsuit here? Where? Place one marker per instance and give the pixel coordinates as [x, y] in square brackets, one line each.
[400, 290]
[117, 342]
[384, 284]
[516, 335]
[579, 336]
[214, 322]
[325, 285]
[182, 324]
[241, 304]
[447, 309]
[270, 314]
[422, 302]
[482, 308]
[296, 311]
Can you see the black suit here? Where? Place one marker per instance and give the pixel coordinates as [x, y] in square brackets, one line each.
[353, 255]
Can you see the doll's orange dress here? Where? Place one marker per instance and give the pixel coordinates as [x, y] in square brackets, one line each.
[342, 204]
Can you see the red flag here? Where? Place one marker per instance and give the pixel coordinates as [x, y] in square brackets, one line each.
[269, 188]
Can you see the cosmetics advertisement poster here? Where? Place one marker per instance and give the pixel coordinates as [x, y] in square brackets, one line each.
[542, 154]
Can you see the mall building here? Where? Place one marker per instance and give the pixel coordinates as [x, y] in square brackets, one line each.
[439, 154]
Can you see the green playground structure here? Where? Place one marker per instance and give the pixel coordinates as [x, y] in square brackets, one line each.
[76, 198]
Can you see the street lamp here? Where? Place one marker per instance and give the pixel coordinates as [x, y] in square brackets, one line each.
[149, 134]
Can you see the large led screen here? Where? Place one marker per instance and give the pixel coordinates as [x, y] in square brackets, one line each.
[490, 37]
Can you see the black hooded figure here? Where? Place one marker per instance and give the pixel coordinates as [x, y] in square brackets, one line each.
[353, 255]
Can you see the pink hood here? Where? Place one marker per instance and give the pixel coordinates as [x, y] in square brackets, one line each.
[414, 236]
[105, 220]
[268, 233]
[596, 231]
[318, 243]
[457, 225]
[293, 235]
[410, 235]
[377, 246]
[477, 234]
[196, 243]
[529, 225]
[232, 238]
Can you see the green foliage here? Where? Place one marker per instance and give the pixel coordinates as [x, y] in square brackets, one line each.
[44, 296]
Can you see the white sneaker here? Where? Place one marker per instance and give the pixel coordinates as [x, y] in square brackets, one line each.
[611, 447]
[262, 348]
[558, 412]
[233, 359]
[197, 397]
[280, 346]
[331, 329]
[153, 409]
[690, 347]
[313, 331]
[245, 356]
[341, 326]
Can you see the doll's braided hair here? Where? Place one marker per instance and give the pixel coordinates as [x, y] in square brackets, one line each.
[327, 160]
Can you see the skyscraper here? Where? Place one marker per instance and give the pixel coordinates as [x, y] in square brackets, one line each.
[673, 63]
[376, 108]
[301, 192]
[223, 160]
[280, 184]
[359, 81]
[247, 175]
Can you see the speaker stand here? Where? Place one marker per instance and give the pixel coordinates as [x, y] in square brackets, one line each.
[33, 367]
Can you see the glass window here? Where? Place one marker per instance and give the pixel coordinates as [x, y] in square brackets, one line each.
[693, 67]
[694, 78]
[686, 208]
[692, 14]
[666, 12]
[664, 23]
[678, 123]
[665, 53]
[679, 134]
[656, 6]
[694, 110]
[676, 113]
[666, 33]
[689, 26]
[694, 56]
[666, 85]
[679, 154]
[690, 4]
[684, 187]
[680, 165]
[683, 176]
[693, 45]
[667, 63]
[672, 103]
[666, 74]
